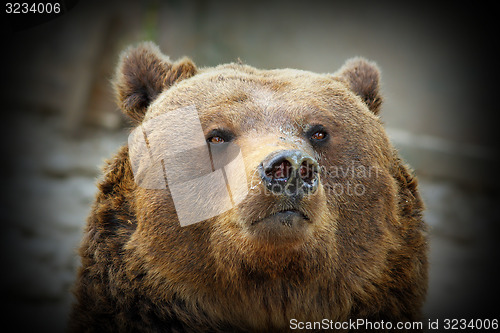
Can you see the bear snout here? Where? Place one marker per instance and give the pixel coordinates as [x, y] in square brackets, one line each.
[290, 173]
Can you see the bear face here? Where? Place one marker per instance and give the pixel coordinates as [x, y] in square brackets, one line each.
[329, 224]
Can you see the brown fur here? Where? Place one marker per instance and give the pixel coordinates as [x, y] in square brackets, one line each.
[362, 256]
[144, 72]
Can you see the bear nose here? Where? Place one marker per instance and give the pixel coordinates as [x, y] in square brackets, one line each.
[290, 172]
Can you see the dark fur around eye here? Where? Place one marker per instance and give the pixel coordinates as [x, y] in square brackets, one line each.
[317, 131]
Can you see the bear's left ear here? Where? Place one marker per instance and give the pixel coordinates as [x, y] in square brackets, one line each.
[142, 74]
[363, 78]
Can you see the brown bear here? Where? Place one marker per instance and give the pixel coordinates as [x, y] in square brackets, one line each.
[327, 235]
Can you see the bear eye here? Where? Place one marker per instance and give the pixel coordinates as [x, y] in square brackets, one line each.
[218, 136]
[317, 134]
[320, 135]
[216, 140]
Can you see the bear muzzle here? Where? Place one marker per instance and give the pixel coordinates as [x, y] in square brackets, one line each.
[290, 179]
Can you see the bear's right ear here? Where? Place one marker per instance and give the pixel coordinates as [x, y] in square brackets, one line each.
[142, 74]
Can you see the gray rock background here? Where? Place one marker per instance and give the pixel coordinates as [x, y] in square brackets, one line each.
[62, 123]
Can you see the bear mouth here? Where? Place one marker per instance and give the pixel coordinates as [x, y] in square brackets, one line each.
[287, 217]
[285, 226]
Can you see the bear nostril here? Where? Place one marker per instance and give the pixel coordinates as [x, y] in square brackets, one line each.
[280, 170]
[308, 172]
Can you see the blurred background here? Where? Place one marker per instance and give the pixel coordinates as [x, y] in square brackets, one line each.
[62, 122]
